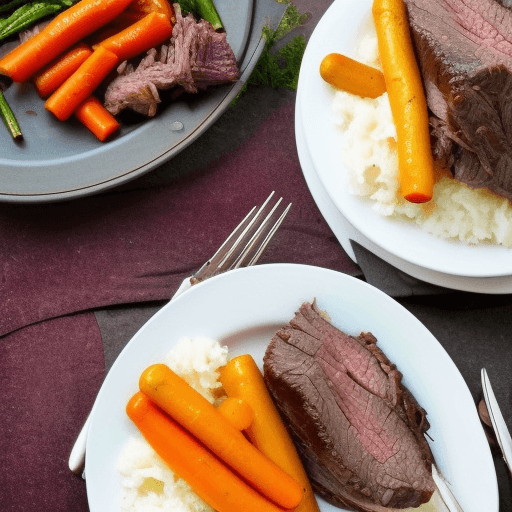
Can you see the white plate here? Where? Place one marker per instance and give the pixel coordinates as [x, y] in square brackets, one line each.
[345, 232]
[338, 31]
[243, 309]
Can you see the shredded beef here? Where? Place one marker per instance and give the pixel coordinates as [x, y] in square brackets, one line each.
[195, 58]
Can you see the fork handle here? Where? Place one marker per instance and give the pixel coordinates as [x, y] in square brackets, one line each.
[77, 456]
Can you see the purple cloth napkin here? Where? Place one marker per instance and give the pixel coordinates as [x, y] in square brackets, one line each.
[50, 373]
[136, 246]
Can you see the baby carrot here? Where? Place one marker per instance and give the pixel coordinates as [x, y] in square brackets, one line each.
[54, 75]
[407, 99]
[185, 405]
[354, 77]
[237, 411]
[81, 84]
[143, 35]
[66, 29]
[210, 479]
[94, 116]
[242, 378]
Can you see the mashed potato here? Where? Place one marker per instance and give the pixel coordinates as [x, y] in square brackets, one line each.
[369, 151]
[148, 483]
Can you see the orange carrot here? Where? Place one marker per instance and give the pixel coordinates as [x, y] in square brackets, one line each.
[94, 116]
[210, 479]
[69, 27]
[81, 84]
[53, 76]
[137, 10]
[237, 411]
[349, 75]
[407, 99]
[185, 405]
[242, 378]
[143, 35]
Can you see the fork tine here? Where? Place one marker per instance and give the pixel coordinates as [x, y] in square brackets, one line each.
[246, 243]
[255, 252]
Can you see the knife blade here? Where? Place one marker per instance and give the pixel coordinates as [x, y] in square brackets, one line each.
[498, 422]
[445, 492]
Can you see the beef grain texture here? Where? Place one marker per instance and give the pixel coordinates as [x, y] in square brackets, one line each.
[360, 432]
[464, 48]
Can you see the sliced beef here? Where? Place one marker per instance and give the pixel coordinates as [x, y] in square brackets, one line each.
[358, 429]
[196, 57]
[464, 48]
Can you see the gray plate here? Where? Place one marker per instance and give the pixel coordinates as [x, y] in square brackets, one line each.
[59, 161]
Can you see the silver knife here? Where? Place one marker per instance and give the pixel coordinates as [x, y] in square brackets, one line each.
[445, 492]
[497, 421]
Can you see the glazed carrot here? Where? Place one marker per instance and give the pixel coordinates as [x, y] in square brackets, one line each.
[242, 378]
[237, 411]
[193, 412]
[143, 35]
[354, 77]
[210, 479]
[81, 84]
[94, 116]
[407, 99]
[54, 75]
[136, 11]
[139, 8]
[61, 33]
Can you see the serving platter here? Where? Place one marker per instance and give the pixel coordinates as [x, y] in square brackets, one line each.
[64, 160]
[338, 31]
[243, 309]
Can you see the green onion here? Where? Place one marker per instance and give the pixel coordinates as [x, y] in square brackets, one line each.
[9, 118]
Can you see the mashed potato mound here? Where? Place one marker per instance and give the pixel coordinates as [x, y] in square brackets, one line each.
[369, 151]
[148, 483]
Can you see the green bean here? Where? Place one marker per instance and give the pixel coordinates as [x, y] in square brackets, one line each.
[9, 118]
[28, 14]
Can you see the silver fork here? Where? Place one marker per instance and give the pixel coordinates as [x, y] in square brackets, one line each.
[243, 248]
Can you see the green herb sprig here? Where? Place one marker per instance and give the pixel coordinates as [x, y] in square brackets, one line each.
[280, 69]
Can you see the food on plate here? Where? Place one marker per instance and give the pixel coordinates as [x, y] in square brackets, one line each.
[238, 412]
[195, 58]
[9, 118]
[150, 31]
[49, 79]
[195, 414]
[354, 77]
[359, 431]
[241, 377]
[96, 118]
[81, 84]
[456, 211]
[66, 29]
[465, 55]
[210, 478]
[407, 100]
[146, 480]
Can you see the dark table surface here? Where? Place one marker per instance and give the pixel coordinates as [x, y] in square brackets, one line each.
[78, 280]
